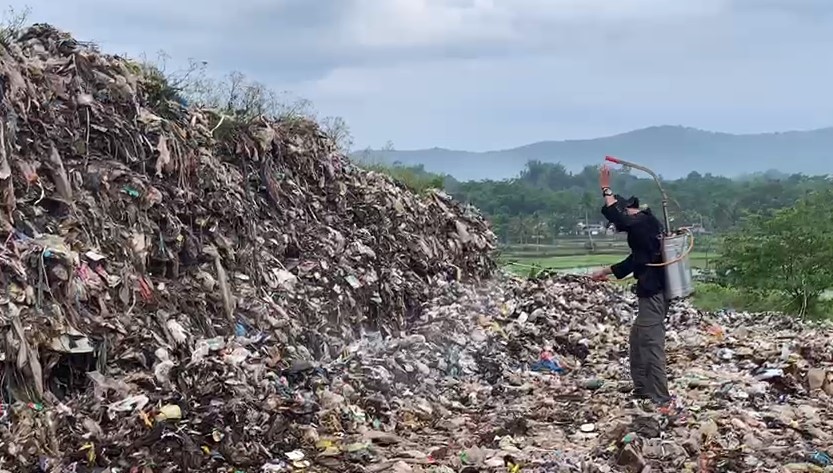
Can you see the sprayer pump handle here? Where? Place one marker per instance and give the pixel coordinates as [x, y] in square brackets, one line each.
[612, 159]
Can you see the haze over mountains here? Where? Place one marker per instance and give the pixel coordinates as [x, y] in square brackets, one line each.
[672, 151]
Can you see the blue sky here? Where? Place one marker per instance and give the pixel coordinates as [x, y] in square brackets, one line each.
[492, 74]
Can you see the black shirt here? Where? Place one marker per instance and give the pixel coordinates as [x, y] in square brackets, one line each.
[645, 241]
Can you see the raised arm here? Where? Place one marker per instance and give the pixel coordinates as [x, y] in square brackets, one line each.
[618, 215]
[612, 212]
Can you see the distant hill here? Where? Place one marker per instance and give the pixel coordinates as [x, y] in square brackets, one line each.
[672, 151]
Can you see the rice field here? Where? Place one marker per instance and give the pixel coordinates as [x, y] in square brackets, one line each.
[571, 255]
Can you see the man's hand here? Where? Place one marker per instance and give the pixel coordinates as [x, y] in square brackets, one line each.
[604, 177]
[600, 275]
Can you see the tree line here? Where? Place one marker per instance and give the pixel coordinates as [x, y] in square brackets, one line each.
[546, 200]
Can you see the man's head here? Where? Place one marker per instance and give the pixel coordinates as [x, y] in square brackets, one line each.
[629, 206]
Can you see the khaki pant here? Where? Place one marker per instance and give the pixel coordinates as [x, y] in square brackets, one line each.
[647, 350]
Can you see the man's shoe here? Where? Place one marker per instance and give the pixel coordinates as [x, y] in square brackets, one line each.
[670, 408]
[645, 404]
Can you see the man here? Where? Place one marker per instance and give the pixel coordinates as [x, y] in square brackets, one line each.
[647, 337]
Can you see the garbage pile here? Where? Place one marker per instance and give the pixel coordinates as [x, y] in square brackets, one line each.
[160, 263]
[517, 375]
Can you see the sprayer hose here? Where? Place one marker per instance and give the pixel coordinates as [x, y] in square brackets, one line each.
[655, 265]
[679, 258]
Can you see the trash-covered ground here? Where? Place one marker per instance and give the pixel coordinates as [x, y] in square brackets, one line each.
[185, 292]
[531, 376]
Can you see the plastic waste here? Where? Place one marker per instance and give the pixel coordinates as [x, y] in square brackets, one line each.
[169, 412]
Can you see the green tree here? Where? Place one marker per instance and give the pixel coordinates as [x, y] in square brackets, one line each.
[561, 198]
[788, 251]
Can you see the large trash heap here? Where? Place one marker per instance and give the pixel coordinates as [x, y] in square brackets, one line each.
[140, 238]
[185, 292]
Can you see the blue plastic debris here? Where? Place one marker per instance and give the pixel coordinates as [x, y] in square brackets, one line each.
[821, 459]
[240, 330]
[550, 366]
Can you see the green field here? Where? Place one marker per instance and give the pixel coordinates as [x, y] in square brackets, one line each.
[569, 255]
[572, 255]
[520, 263]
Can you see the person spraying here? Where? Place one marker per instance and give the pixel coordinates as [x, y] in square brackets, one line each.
[647, 335]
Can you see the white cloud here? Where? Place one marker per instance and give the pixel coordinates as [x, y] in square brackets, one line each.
[408, 23]
[492, 73]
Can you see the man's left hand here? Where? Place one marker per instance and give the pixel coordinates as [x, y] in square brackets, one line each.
[604, 177]
[600, 275]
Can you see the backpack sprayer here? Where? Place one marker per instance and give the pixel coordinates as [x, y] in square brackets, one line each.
[676, 245]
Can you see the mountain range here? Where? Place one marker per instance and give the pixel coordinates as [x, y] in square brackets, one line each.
[671, 151]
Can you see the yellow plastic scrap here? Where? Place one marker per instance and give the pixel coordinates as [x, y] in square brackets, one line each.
[323, 444]
[499, 330]
[327, 448]
[169, 412]
[803, 467]
[90, 448]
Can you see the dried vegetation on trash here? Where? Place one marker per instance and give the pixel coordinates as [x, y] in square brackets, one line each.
[185, 292]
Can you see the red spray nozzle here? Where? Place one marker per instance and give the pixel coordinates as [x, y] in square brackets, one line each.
[612, 159]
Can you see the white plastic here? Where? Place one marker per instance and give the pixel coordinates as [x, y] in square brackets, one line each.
[678, 279]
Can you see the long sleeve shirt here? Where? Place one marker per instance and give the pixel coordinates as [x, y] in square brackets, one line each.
[645, 241]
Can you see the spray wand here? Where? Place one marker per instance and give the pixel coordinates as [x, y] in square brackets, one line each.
[656, 180]
[665, 219]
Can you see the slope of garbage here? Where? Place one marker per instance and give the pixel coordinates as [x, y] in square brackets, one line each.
[144, 245]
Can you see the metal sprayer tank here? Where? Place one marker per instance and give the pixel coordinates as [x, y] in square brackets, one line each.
[676, 245]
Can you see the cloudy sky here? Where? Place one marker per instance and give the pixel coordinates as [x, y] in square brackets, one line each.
[491, 74]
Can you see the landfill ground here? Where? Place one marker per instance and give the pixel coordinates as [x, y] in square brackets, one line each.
[471, 388]
[185, 291]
